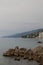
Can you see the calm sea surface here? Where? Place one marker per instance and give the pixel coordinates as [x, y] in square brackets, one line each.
[6, 43]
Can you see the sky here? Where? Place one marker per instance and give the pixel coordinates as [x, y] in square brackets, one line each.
[20, 15]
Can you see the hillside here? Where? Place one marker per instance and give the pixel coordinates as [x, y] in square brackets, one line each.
[24, 34]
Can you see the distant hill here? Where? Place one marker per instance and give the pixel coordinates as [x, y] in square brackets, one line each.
[24, 33]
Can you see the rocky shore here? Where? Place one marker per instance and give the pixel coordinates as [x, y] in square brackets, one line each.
[17, 53]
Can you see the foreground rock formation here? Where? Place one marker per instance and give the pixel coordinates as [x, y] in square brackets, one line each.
[38, 54]
[30, 54]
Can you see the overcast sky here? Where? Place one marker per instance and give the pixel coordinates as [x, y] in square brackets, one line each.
[20, 15]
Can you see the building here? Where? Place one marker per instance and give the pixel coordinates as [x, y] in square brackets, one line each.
[41, 35]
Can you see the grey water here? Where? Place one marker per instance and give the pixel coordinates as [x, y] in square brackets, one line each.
[6, 43]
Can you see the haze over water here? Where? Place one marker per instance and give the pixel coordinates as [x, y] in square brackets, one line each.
[20, 15]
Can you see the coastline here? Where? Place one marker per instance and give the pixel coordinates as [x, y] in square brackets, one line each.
[35, 54]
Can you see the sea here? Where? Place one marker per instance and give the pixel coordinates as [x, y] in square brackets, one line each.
[7, 43]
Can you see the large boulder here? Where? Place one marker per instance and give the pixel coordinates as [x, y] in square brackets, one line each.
[38, 54]
[28, 54]
[38, 49]
[9, 52]
[16, 53]
[22, 51]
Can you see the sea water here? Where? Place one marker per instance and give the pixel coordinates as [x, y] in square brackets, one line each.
[6, 43]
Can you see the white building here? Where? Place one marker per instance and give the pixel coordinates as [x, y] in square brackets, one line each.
[41, 35]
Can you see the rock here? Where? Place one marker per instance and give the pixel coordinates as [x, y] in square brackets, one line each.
[39, 42]
[40, 64]
[6, 54]
[38, 49]
[17, 58]
[30, 58]
[28, 54]
[38, 54]
[17, 47]
[9, 53]
[41, 58]
[36, 57]
[22, 51]
[16, 53]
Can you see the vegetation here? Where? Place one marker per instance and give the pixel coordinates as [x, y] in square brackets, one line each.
[28, 34]
[31, 35]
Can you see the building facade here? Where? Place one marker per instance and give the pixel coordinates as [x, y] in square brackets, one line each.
[41, 35]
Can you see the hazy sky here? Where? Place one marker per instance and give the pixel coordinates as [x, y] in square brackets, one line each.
[20, 15]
